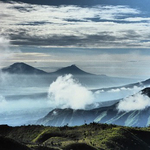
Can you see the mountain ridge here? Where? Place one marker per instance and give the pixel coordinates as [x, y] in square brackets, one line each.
[23, 68]
[108, 114]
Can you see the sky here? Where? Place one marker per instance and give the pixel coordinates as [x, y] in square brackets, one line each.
[109, 37]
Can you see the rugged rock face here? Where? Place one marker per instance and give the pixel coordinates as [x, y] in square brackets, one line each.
[146, 92]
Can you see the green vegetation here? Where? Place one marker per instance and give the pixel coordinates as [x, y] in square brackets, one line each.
[90, 137]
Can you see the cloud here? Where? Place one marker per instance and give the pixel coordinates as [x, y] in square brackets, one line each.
[6, 53]
[89, 41]
[61, 26]
[135, 89]
[4, 49]
[21, 105]
[137, 19]
[116, 93]
[66, 92]
[135, 102]
[3, 102]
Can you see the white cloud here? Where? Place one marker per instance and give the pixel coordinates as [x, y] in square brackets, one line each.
[135, 102]
[66, 92]
[44, 22]
[135, 19]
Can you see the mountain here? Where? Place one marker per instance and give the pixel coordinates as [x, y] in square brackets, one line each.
[22, 68]
[92, 80]
[73, 69]
[110, 115]
[87, 79]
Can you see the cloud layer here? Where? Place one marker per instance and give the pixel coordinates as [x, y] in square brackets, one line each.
[67, 26]
[117, 93]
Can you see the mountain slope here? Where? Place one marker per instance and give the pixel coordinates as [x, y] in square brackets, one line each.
[22, 68]
[110, 114]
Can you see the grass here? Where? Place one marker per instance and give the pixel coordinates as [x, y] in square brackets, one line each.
[91, 137]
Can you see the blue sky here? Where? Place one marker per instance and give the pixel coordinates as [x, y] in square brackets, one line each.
[104, 37]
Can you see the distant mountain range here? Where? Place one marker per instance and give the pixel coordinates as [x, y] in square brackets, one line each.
[110, 114]
[85, 78]
[22, 68]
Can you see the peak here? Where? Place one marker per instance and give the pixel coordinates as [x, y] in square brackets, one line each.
[73, 69]
[72, 66]
[19, 64]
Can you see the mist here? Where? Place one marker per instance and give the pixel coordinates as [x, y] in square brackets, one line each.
[116, 93]
[5, 52]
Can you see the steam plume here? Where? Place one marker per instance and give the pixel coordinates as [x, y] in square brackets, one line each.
[66, 92]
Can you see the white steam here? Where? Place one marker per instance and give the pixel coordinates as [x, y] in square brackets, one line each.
[135, 102]
[5, 52]
[66, 92]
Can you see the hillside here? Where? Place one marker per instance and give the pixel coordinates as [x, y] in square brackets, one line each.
[90, 137]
